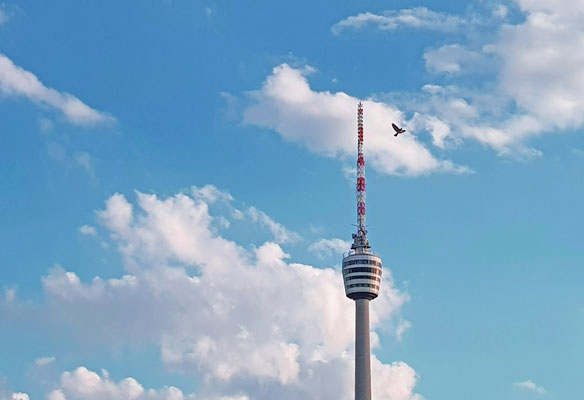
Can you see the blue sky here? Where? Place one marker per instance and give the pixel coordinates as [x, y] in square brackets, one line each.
[177, 183]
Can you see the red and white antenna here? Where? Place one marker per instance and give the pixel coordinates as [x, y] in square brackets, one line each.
[360, 236]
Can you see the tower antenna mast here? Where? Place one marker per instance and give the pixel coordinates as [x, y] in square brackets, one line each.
[361, 198]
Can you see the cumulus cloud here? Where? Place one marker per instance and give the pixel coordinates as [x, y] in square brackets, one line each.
[328, 247]
[324, 123]
[251, 322]
[393, 381]
[418, 18]
[117, 215]
[530, 386]
[538, 80]
[83, 384]
[543, 61]
[18, 82]
[539, 66]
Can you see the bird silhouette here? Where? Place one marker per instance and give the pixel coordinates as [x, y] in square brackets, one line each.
[397, 129]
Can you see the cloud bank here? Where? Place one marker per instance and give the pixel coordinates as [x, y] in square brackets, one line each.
[247, 320]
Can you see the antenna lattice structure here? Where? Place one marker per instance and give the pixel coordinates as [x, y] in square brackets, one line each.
[362, 271]
[360, 174]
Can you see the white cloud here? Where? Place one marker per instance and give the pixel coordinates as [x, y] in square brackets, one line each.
[117, 215]
[527, 76]
[349, 173]
[543, 62]
[241, 397]
[453, 59]
[539, 66]
[329, 247]
[281, 234]
[56, 395]
[237, 214]
[453, 117]
[43, 361]
[401, 329]
[440, 131]
[418, 18]
[87, 230]
[211, 194]
[83, 384]
[567, 9]
[393, 381]
[223, 222]
[500, 11]
[325, 123]
[530, 386]
[16, 81]
[241, 318]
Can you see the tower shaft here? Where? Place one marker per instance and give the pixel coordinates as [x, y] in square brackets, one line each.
[362, 351]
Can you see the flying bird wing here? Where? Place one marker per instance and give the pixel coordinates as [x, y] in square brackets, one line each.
[395, 127]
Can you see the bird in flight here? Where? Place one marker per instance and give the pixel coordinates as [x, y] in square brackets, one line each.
[397, 129]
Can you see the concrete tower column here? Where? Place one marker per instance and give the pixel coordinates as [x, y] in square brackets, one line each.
[362, 351]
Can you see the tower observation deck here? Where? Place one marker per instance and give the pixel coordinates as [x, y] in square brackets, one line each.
[362, 277]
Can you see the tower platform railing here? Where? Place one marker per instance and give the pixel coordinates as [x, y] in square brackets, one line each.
[351, 252]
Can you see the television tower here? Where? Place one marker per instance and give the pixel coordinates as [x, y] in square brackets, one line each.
[362, 276]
